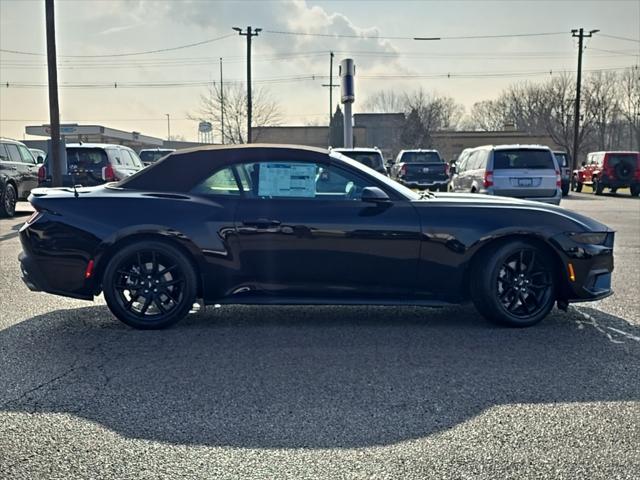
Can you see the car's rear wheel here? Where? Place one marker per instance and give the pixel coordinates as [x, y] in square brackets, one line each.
[565, 190]
[514, 285]
[150, 285]
[8, 201]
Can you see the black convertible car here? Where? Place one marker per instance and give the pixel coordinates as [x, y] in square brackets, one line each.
[292, 225]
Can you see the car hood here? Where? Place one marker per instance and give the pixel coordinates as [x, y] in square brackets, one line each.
[494, 201]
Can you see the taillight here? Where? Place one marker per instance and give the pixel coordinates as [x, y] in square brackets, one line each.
[108, 175]
[34, 216]
[42, 174]
[558, 179]
[446, 169]
[403, 170]
[488, 179]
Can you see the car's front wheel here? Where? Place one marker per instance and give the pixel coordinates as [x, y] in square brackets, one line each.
[8, 201]
[576, 186]
[149, 285]
[514, 284]
[597, 186]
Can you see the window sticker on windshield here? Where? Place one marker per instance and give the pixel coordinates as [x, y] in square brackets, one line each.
[287, 180]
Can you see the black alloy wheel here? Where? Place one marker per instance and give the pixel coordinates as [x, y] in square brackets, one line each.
[524, 284]
[149, 285]
[8, 201]
[514, 284]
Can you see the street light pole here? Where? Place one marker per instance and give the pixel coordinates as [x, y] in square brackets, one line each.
[54, 108]
[249, 33]
[331, 86]
[168, 127]
[576, 117]
[221, 105]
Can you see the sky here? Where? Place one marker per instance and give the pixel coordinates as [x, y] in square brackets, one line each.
[95, 38]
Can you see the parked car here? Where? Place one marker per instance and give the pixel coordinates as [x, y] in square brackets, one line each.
[18, 175]
[38, 154]
[371, 157]
[424, 169]
[564, 162]
[89, 164]
[253, 225]
[521, 171]
[152, 155]
[611, 170]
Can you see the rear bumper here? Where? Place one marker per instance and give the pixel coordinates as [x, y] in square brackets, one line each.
[554, 200]
[36, 280]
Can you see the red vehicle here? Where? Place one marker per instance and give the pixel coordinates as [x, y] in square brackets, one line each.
[611, 170]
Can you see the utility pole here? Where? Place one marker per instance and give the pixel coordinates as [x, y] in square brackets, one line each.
[168, 127]
[575, 33]
[249, 33]
[54, 108]
[221, 105]
[331, 86]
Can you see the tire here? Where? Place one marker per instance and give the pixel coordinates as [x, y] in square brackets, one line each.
[514, 284]
[614, 191]
[167, 297]
[635, 190]
[576, 186]
[443, 189]
[565, 190]
[8, 201]
[597, 186]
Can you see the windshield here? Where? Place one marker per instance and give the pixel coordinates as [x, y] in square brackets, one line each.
[401, 189]
[150, 156]
[421, 157]
[370, 159]
[523, 159]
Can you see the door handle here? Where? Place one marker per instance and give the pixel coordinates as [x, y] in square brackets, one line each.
[261, 223]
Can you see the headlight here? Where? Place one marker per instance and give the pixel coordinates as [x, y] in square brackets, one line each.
[590, 238]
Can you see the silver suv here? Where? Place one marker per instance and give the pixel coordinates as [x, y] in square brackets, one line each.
[523, 171]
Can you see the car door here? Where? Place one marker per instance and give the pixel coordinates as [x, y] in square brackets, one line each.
[304, 232]
[29, 170]
[16, 169]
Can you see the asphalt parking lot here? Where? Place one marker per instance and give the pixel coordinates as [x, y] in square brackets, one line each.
[323, 392]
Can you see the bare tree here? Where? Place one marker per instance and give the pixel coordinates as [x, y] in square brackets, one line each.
[386, 101]
[487, 115]
[266, 111]
[602, 106]
[629, 95]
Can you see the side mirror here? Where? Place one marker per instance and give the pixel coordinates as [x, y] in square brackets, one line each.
[452, 169]
[374, 195]
[584, 164]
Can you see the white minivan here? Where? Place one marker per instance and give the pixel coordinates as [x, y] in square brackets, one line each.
[529, 172]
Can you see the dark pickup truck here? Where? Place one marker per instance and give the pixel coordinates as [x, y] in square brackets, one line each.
[421, 169]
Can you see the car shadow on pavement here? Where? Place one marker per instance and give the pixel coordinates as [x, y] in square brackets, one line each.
[308, 377]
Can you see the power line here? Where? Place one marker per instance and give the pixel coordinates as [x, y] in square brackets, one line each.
[130, 54]
[626, 39]
[380, 37]
[307, 77]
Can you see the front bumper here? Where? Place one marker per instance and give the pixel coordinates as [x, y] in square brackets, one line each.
[587, 269]
[436, 184]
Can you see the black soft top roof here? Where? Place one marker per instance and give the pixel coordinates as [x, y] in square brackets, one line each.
[182, 170]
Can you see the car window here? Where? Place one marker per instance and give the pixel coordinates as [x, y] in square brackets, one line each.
[130, 159]
[471, 161]
[421, 157]
[14, 154]
[523, 159]
[562, 159]
[90, 159]
[614, 159]
[223, 182]
[115, 155]
[301, 180]
[4, 156]
[25, 155]
[370, 159]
